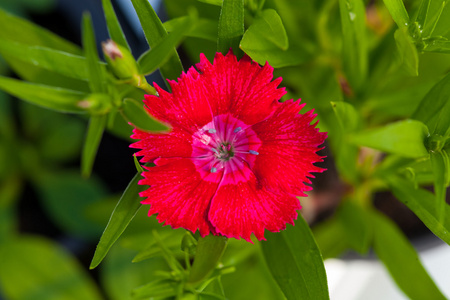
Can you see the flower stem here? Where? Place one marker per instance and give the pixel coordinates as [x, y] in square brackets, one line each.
[209, 251]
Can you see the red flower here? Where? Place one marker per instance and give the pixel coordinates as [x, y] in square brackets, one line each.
[235, 158]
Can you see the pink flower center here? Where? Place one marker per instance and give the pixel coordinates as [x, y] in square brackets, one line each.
[225, 144]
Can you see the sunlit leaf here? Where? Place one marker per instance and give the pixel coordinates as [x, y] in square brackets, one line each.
[296, 262]
[266, 41]
[231, 26]
[122, 215]
[401, 260]
[398, 12]
[404, 137]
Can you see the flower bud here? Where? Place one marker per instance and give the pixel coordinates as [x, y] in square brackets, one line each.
[120, 60]
[97, 104]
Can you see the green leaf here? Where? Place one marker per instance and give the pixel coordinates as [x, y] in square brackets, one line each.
[64, 63]
[95, 72]
[421, 17]
[154, 32]
[354, 220]
[94, 135]
[354, 48]
[434, 109]
[296, 262]
[77, 194]
[423, 204]
[114, 28]
[401, 260]
[36, 268]
[231, 26]
[158, 289]
[122, 215]
[135, 113]
[346, 153]
[266, 41]
[331, 238]
[398, 12]
[439, 46]
[440, 163]
[59, 99]
[212, 2]
[120, 277]
[405, 138]
[209, 251]
[407, 52]
[348, 118]
[23, 31]
[203, 28]
[160, 53]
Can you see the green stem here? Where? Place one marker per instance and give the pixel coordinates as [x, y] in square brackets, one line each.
[209, 251]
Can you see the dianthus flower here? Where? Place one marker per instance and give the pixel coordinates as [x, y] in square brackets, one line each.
[235, 158]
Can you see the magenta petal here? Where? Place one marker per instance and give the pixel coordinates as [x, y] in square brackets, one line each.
[241, 208]
[179, 196]
[176, 143]
[242, 88]
[235, 159]
[288, 149]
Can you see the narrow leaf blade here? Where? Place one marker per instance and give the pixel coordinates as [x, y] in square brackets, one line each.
[94, 135]
[125, 210]
[401, 260]
[398, 12]
[423, 204]
[64, 63]
[433, 107]
[154, 32]
[114, 28]
[53, 98]
[296, 262]
[354, 40]
[161, 53]
[231, 26]
[96, 76]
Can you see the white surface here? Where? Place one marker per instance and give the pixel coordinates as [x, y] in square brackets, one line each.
[369, 280]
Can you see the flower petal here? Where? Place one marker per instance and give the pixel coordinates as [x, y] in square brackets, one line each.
[176, 143]
[242, 88]
[179, 196]
[186, 107]
[240, 208]
[288, 149]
